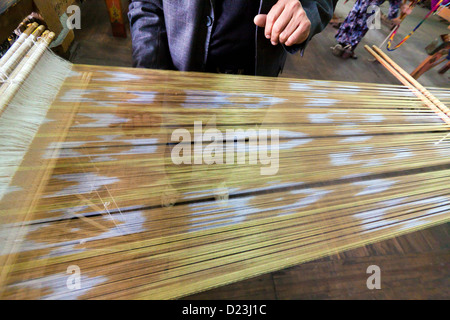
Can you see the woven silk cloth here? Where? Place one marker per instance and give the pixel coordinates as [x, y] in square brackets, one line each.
[100, 196]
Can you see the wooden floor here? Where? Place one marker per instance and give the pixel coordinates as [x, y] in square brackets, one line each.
[414, 266]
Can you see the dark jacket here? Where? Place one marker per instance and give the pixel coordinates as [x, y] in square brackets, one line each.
[175, 34]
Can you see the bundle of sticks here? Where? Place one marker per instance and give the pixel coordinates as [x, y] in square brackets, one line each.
[407, 80]
[126, 183]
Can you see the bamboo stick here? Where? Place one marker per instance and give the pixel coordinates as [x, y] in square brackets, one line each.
[414, 89]
[414, 82]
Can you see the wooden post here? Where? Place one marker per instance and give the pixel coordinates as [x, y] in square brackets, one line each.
[116, 17]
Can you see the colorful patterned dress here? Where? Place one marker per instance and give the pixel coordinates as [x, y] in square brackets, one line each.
[355, 26]
[434, 2]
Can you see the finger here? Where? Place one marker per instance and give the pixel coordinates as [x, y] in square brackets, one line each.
[260, 20]
[272, 16]
[299, 35]
[280, 24]
[289, 30]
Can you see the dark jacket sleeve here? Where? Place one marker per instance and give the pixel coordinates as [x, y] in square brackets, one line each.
[319, 12]
[149, 35]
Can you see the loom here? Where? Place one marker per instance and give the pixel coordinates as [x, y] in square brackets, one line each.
[88, 184]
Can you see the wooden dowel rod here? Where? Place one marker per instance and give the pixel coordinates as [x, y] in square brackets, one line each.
[28, 65]
[15, 59]
[413, 81]
[405, 82]
[18, 43]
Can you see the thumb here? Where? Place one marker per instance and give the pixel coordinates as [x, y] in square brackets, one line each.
[260, 20]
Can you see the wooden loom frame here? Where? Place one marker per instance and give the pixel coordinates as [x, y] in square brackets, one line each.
[39, 178]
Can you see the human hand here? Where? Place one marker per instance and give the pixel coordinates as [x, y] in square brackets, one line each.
[286, 23]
